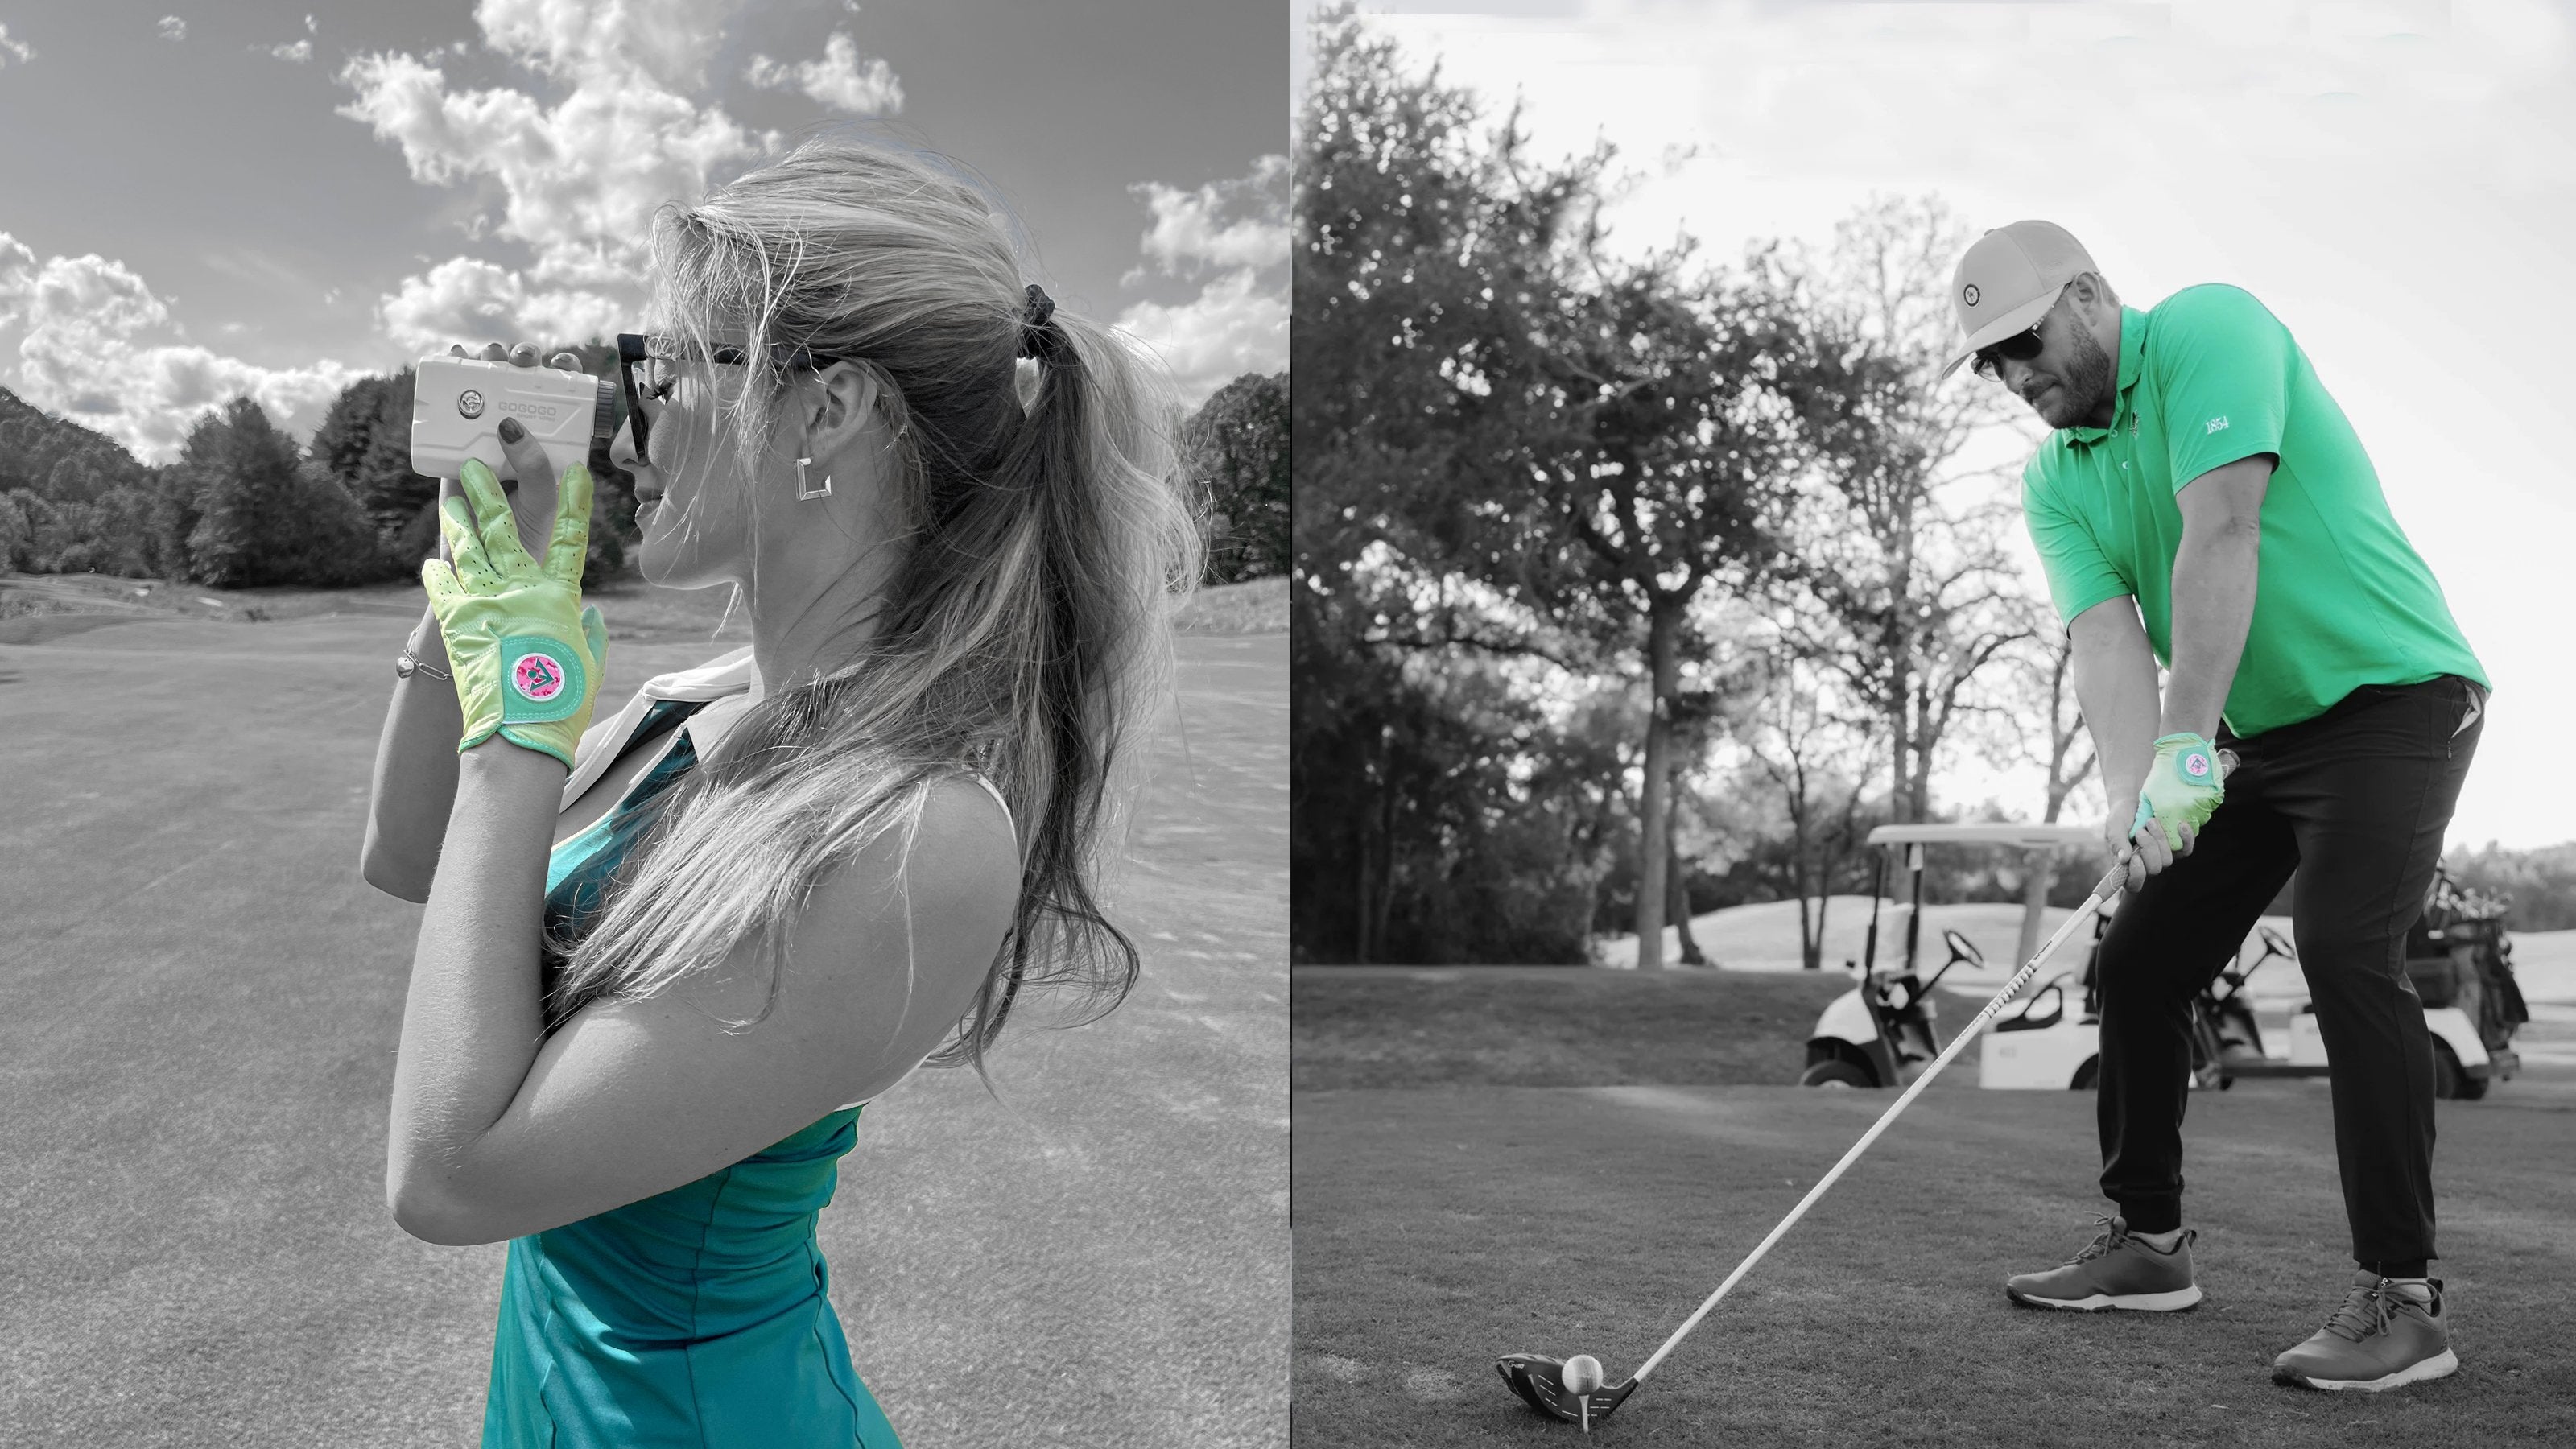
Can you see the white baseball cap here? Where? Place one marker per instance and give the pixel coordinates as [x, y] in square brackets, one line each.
[2009, 280]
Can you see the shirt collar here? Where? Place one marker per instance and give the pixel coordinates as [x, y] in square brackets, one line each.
[2133, 351]
[724, 675]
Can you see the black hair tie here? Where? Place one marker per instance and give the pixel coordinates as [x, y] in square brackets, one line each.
[1036, 337]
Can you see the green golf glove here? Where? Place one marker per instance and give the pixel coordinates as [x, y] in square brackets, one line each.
[525, 651]
[2184, 787]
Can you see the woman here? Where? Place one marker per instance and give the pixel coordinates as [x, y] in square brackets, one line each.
[781, 881]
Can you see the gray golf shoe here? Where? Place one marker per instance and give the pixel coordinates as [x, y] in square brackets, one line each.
[2115, 1270]
[2381, 1338]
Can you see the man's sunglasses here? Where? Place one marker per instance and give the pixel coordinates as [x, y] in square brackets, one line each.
[2020, 347]
[648, 367]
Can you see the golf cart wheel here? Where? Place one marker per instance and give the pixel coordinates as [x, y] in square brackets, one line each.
[2088, 1077]
[1838, 1073]
[2450, 1079]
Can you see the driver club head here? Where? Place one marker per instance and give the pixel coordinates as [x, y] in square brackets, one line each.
[1540, 1381]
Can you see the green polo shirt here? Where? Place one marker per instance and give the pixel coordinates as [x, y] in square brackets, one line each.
[2341, 598]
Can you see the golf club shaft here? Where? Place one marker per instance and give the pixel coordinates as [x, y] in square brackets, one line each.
[2101, 892]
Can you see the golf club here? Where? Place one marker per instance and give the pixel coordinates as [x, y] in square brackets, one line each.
[1543, 1382]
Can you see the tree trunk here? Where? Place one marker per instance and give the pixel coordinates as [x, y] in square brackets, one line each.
[1900, 791]
[2043, 868]
[2036, 878]
[1385, 893]
[1662, 623]
[1376, 858]
[1677, 895]
[1919, 738]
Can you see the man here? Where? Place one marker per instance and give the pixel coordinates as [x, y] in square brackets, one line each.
[2204, 503]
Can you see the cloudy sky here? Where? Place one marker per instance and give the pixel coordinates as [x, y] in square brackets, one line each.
[200, 200]
[2396, 180]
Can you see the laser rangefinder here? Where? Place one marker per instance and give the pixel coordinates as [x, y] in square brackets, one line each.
[457, 405]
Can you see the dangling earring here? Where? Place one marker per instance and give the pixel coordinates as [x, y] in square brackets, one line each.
[804, 492]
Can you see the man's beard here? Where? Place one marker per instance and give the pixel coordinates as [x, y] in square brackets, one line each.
[2085, 383]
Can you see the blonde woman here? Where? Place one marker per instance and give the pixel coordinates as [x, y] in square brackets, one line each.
[668, 957]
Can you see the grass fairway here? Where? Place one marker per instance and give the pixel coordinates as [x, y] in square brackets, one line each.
[199, 1002]
[1549, 1026]
[1439, 1225]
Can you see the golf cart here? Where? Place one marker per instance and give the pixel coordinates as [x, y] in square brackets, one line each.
[2457, 956]
[1880, 1033]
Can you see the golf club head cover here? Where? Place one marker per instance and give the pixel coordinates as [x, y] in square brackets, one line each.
[525, 651]
[2184, 786]
[1540, 1382]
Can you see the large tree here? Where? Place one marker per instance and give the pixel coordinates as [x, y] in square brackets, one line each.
[263, 516]
[1650, 482]
[1903, 537]
[1235, 449]
[1421, 241]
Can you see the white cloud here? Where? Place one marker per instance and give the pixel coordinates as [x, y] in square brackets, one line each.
[310, 28]
[173, 28]
[1237, 324]
[466, 299]
[299, 52]
[667, 42]
[1241, 222]
[103, 349]
[579, 179]
[18, 48]
[1233, 233]
[837, 80]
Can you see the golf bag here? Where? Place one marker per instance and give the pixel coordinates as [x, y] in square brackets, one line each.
[2457, 954]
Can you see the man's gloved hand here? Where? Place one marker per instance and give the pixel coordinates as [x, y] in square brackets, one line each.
[525, 651]
[2184, 787]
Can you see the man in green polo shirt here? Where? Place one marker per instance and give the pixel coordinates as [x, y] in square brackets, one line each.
[2203, 503]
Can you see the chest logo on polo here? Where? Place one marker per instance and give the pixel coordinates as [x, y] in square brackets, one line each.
[2217, 425]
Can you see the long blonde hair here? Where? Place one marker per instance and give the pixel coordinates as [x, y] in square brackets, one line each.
[1023, 636]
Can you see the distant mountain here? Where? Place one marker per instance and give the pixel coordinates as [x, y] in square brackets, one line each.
[59, 460]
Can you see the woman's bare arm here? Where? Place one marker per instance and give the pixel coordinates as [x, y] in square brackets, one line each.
[499, 1131]
[415, 779]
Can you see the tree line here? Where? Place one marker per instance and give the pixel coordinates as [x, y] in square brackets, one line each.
[244, 505]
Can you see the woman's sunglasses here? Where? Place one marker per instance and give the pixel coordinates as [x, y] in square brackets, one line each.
[648, 367]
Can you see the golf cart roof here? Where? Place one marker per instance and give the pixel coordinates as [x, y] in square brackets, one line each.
[1987, 832]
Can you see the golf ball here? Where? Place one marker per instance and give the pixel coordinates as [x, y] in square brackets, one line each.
[1582, 1374]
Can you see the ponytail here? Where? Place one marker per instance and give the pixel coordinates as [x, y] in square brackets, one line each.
[1024, 636]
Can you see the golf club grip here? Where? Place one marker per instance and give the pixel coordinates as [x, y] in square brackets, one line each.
[2109, 882]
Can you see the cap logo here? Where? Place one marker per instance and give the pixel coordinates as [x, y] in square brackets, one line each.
[1971, 295]
[470, 403]
[537, 677]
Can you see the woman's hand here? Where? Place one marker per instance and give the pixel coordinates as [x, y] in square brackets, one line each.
[528, 473]
[525, 651]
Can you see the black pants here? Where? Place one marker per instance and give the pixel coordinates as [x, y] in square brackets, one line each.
[2355, 800]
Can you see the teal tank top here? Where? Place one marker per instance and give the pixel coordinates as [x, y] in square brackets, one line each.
[697, 1318]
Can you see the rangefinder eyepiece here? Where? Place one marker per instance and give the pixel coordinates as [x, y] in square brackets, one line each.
[457, 405]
